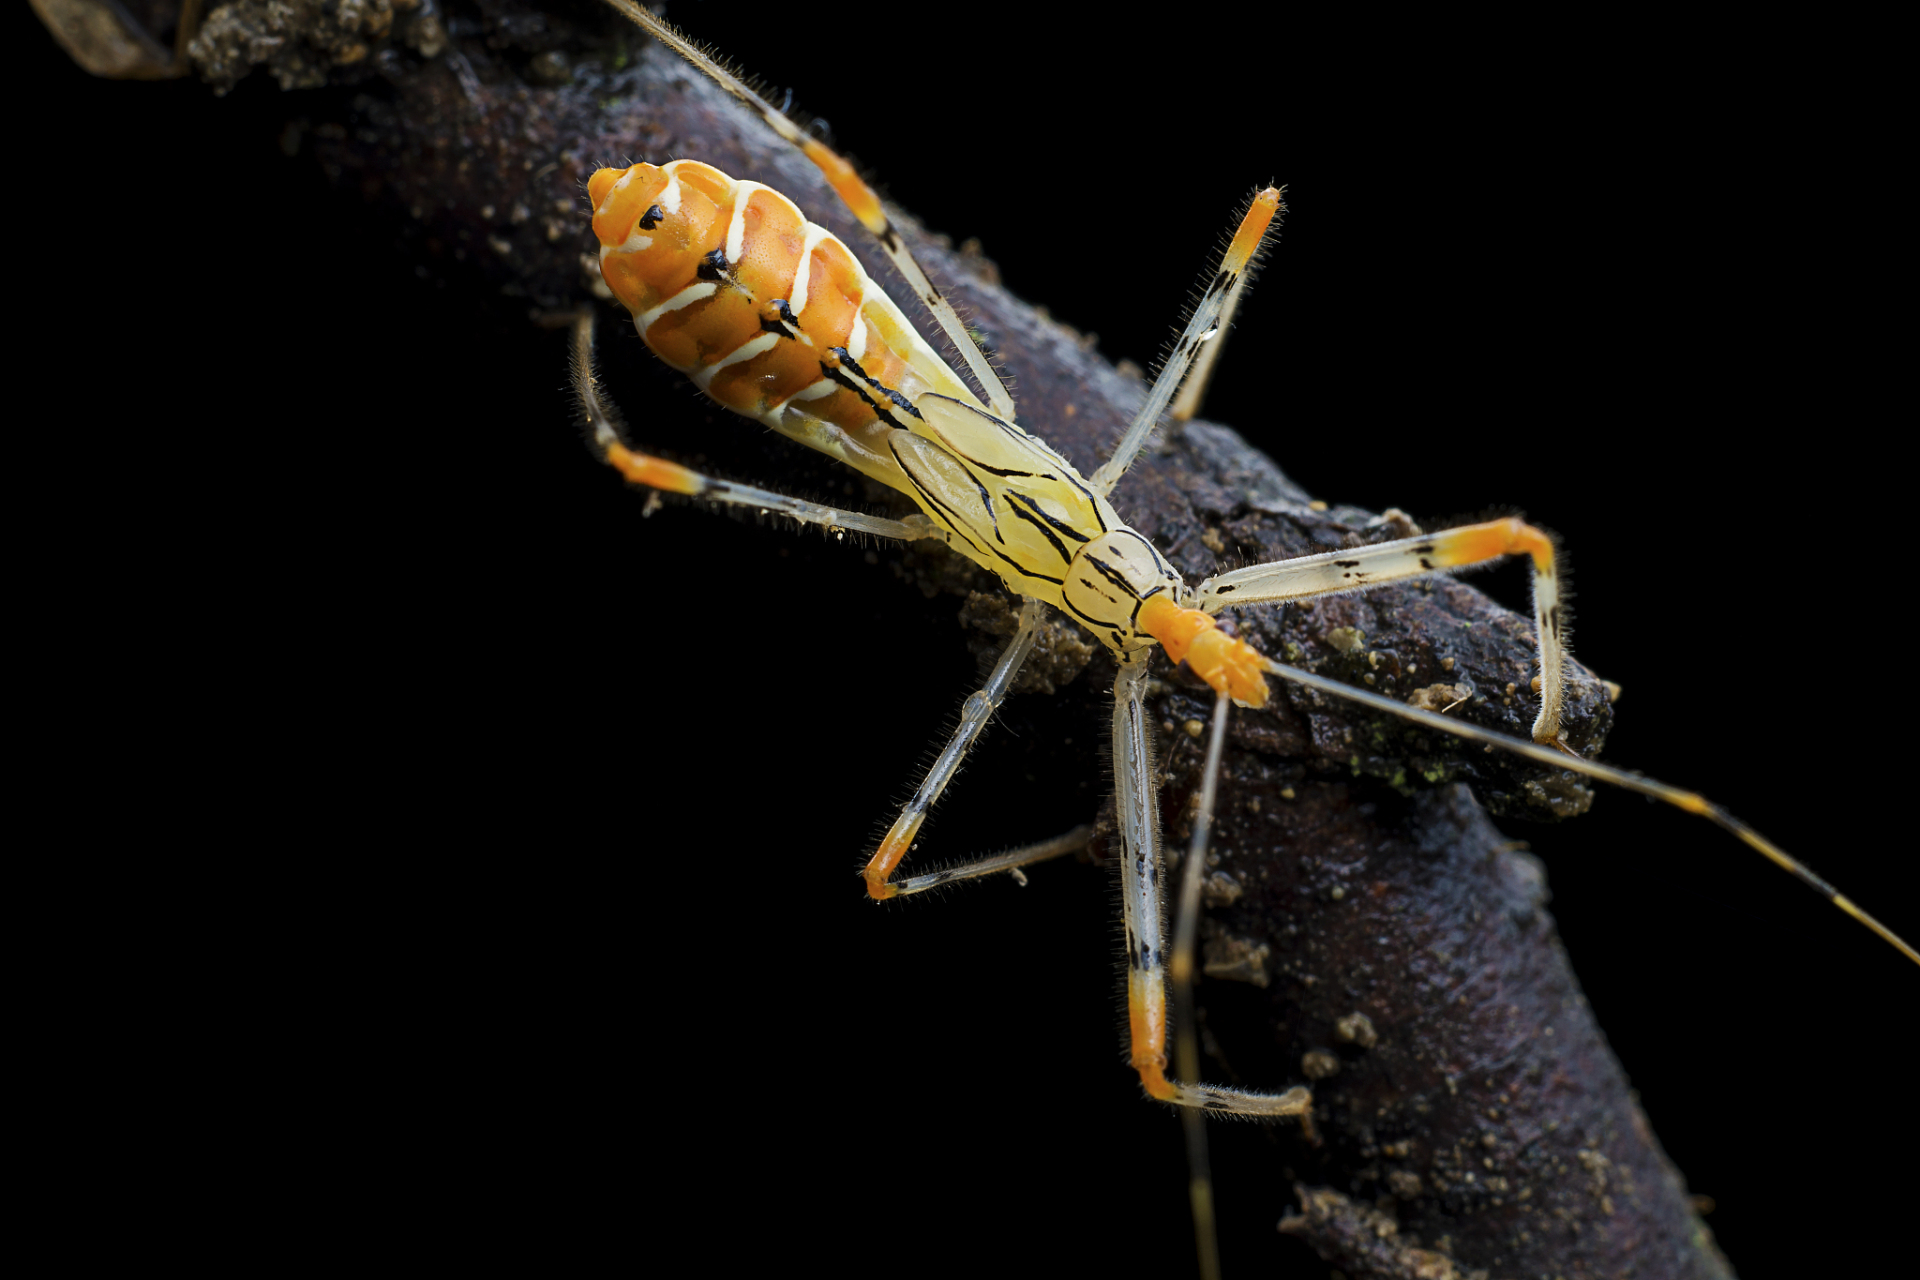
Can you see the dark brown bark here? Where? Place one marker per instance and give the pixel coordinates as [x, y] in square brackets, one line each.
[1477, 1110]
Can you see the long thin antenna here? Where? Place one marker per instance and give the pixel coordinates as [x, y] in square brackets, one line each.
[1687, 800]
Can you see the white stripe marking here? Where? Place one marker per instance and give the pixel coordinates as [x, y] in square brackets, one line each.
[813, 391]
[737, 228]
[636, 243]
[686, 297]
[744, 352]
[857, 340]
[815, 234]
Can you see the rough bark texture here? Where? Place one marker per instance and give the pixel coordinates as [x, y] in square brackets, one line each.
[1368, 926]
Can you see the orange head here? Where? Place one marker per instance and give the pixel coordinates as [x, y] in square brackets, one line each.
[1231, 666]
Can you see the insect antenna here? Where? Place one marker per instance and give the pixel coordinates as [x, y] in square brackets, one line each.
[1679, 799]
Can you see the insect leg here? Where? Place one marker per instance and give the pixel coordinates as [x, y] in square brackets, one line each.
[1013, 859]
[1145, 917]
[1202, 326]
[1356, 570]
[1186, 1047]
[1193, 392]
[975, 712]
[851, 188]
[604, 424]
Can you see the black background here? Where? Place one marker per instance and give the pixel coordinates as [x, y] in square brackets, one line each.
[507, 837]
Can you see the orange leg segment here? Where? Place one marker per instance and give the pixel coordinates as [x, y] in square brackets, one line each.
[975, 713]
[1478, 543]
[1252, 227]
[655, 473]
[1147, 1031]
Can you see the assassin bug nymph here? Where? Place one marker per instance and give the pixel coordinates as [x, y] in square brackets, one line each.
[883, 402]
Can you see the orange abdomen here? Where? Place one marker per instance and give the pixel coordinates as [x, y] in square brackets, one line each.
[770, 315]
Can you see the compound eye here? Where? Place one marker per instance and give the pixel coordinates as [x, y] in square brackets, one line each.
[651, 218]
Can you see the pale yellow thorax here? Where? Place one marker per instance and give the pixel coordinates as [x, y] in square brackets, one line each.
[1020, 509]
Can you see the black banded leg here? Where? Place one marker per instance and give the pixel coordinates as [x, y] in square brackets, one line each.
[1443, 552]
[606, 430]
[1202, 326]
[1144, 914]
[975, 712]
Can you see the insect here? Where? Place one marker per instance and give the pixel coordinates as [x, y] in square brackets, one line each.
[1692, 982]
[717, 283]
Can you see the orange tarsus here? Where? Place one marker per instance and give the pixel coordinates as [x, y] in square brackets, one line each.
[881, 865]
[1153, 1078]
[1252, 227]
[1147, 1032]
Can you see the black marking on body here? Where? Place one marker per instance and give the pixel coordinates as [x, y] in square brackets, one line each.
[1424, 549]
[1113, 575]
[1089, 585]
[714, 267]
[888, 240]
[1166, 570]
[1059, 547]
[1026, 572]
[1059, 526]
[1019, 436]
[986, 503]
[1346, 564]
[841, 354]
[786, 312]
[775, 326]
[1220, 282]
[1225, 591]
[879, 411]
[953, 521]
[1073, 478]
[1553, 620]
[1425, 563]
[1093, 623]
[651, 218]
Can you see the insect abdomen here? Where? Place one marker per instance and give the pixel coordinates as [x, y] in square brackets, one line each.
[769, 314]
